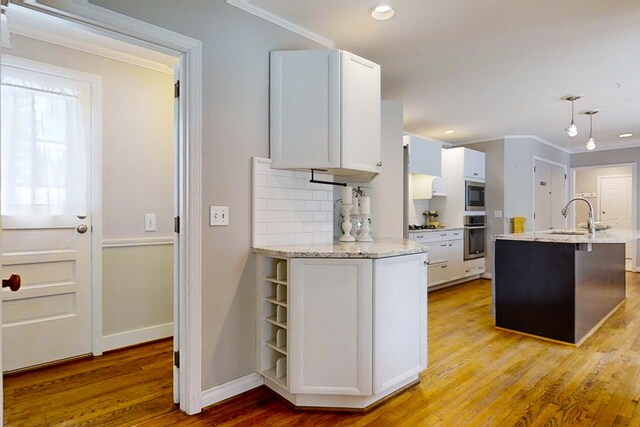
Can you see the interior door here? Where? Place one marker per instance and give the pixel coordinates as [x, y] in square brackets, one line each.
[46, 219]
[542, 196]
[614, 203]
[550, 195]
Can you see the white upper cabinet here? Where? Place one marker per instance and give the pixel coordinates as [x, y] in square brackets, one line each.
[325, 112]
[425, 157]
[474, 164]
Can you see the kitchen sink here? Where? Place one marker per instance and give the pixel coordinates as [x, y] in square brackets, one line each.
[567, 232]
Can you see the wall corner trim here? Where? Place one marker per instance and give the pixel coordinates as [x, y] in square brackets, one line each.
[231, 389]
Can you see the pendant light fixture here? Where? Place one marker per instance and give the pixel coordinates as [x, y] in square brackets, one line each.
[572, 130]
[591, 143]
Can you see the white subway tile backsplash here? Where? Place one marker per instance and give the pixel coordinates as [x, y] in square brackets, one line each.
[287, 208]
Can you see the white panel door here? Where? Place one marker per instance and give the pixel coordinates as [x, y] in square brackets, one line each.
[46, 221]
[400, 319]
[614, 203]
[558, 196]
[550, 195]
[330, 326]
[542, 196]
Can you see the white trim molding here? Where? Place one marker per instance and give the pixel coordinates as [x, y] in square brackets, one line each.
[251, 8]
[137, 336]
[140, 241]
[232, 388]
[189, 51]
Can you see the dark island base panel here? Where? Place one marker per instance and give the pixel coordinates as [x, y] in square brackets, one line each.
[555, 290]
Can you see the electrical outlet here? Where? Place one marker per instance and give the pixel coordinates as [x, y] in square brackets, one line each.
[218, 215]
[149, 222]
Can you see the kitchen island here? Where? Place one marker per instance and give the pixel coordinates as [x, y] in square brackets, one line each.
[341, 325]
[559, 285]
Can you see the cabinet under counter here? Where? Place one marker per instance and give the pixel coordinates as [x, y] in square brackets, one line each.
[356, 324]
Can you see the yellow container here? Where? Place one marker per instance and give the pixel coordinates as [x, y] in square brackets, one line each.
[518, 224]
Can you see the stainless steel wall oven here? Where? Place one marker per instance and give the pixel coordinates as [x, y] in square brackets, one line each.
[475, 236]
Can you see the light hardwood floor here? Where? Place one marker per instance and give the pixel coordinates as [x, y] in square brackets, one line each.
[477, 376]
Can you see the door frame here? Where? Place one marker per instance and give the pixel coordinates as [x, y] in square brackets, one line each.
[533, 184]
[125, 28]
[634, 199]
[95, 177]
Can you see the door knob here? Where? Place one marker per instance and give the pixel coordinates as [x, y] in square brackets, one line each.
[13, 282]
[82, 228]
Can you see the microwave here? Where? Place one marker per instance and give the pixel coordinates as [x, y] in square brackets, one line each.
[474, 196]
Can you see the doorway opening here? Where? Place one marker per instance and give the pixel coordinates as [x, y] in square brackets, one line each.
[611, 190]
[187, 136]
[549, 194]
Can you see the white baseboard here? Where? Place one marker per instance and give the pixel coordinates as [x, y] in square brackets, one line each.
[230, 389]
[138, 336]
[487, 276]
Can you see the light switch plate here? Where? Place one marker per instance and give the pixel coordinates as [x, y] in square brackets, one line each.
[149, 222]
[497, 214]
[218, 215]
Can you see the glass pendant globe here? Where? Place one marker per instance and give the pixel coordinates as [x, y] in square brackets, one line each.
[591, 144]
[572, 130]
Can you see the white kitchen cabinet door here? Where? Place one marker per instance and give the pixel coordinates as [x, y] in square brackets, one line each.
[425, 157]
[305, 109]
[438, 252]
[456, 259]
[474, 164]
[325, 112]
[438, 274]
[361, 118]
[473, 266]
[400, 307]
[330, 326]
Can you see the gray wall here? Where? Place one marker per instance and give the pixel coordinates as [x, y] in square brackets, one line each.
[518, 175]
[235, 97]
[386, 206]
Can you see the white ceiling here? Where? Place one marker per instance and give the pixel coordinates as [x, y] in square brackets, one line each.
[492, 68]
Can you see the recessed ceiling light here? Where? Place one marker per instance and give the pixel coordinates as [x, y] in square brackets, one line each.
[625, 135]
[382, 12]
[449, 132]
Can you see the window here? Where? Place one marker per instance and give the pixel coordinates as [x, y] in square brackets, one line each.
[43, 144]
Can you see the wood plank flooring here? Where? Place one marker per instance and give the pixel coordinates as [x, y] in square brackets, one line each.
[477, 376]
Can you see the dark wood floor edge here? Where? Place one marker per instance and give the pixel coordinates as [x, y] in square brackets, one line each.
[140, 344]
[347, 410]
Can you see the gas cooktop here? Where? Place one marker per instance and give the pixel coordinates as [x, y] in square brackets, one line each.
[422, 227]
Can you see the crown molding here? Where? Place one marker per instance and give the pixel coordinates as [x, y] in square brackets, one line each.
[247, 6]
[540, 140]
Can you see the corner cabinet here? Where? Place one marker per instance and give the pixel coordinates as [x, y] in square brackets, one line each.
[325, 112]
[354, 331]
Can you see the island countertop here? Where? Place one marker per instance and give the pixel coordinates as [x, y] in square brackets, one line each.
[606, 236]
[381, 248]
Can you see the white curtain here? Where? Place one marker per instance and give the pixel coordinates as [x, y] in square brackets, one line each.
[43, 150]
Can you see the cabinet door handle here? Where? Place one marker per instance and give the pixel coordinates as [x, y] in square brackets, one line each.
[379, 164]
[443, 266]
[443, 246]
[419, 237]
[443, 235]
[475, 174]
[426, 263]
[467, 271]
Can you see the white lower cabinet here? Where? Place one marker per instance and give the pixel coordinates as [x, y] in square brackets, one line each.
[331, 326]
[356, 329]
[446, 256]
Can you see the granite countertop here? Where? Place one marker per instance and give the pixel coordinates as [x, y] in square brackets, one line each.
[436, 229]
[381, 248]
[607, 236]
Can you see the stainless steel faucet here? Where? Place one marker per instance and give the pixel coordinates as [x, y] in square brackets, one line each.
[591, 225]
